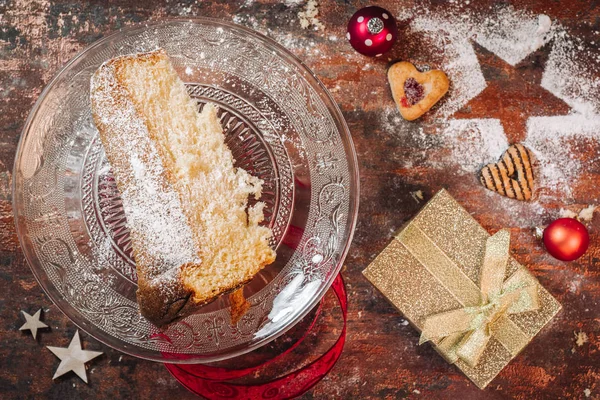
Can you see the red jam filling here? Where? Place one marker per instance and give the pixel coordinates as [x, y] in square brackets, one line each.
[413, 93]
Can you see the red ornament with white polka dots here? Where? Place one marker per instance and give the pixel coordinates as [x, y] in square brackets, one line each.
[372, 31]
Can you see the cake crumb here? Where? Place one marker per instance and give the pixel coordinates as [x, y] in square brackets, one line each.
[567, 213]
[418, 195]
[309, 15]
[580, 338]
[587, 213]
[587, 392]
[239, 305]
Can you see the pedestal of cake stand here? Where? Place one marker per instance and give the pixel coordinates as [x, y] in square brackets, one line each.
[214, 382]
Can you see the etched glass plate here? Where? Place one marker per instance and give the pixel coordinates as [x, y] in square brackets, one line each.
[281, 125]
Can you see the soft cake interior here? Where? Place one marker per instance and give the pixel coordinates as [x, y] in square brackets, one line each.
[199, 166]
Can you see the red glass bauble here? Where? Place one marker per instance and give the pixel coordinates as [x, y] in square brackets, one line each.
[372, 31]
[566, 239]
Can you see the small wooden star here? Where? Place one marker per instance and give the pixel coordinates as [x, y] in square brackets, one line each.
[32, 322]
[73, 358]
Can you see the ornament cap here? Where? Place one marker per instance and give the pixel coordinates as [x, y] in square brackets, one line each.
[375, 25]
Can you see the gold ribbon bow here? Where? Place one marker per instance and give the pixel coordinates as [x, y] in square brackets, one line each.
[464, 333]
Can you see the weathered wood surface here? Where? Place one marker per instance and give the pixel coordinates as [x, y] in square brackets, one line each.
[381, 359]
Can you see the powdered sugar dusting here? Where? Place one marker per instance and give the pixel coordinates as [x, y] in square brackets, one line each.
[556, 141]
[513, 35]
[462, 136]
[569, 78]
[451, 35]
[154, 213]
[470, 143]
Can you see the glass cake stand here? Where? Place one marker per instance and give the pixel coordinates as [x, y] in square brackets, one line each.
[281, 125]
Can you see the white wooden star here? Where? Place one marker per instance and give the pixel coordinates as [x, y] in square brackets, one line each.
[73, 358]
[32, 322]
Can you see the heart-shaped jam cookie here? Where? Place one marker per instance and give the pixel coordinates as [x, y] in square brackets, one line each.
[416, 92]
[512, 176]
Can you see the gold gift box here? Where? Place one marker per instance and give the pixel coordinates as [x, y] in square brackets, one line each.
[429, 271]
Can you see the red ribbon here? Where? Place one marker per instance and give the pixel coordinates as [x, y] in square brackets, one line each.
[210, 382]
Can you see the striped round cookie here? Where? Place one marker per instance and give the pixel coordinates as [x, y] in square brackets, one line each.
[512, 176]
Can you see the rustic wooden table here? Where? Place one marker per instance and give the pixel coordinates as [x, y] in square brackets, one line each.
[381, 358]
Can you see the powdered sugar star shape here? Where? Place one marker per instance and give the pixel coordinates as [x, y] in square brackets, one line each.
[513, 93]
[513, 35]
